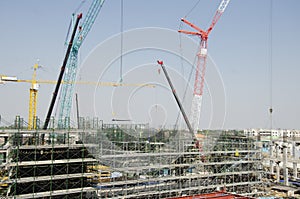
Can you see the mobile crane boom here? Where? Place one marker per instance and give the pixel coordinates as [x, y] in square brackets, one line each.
[61, 74]
[66, 94]
[201, 63]
[161, 63]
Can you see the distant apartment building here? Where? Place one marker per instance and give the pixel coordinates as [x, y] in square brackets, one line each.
[274, 132]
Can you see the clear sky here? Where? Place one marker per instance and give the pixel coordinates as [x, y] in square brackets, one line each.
[242, 47]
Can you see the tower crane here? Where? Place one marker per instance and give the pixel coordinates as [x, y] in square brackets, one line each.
[66, 94]
[201, 63]
[33, 91]
[4, 78]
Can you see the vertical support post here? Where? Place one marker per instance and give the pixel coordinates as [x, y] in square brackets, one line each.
[277, 150]
[277, 165]
[284, 156]
[294, 147]
[295, 170]
[277, 173]
[285, 170]
[259, 154]
[271, 157]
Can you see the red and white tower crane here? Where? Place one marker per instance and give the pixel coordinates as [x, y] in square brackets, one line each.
[201, 63]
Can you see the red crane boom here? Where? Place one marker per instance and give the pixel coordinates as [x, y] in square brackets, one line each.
[201, 63]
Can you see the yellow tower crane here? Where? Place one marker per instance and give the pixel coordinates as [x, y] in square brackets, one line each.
[33, 91]
[32, 118]
[33, 100]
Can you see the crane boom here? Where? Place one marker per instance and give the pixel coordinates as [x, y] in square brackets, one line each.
[201, 63]
[218, 14]
[32, 117]
[88, 22]
[161, 63]
[115, 84]
[223, 6]
[66, 94]
[47, 120]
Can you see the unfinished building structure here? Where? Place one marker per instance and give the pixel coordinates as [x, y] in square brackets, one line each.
[44, 164]
[126, 161]
[145, 163]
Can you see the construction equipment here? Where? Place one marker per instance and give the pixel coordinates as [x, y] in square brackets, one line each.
[67, 89]
[33, 91]
[5, 78]
[201, 63]
[32, 117]
[61, 74]
[33, 100]
[161, 63]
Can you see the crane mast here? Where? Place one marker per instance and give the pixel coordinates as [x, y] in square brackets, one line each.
[66, 94]
[33, 100]
[201, 63]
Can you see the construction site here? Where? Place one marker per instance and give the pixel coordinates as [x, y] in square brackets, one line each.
[87, 157]
[114, 163]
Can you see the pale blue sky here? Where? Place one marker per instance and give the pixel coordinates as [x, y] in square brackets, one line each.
[239, 46]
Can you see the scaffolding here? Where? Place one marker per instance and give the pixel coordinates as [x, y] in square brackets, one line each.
[125, 161]
[145, 163]
[44, 164]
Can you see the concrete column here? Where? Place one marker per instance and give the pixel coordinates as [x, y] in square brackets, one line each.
[295, 171]
[271, 148]
[286, 177]
[271, 166]
[277, 173]
[277, 150]
[294, 147]
[285, 170]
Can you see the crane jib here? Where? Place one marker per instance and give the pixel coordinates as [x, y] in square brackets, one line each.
[223, 5]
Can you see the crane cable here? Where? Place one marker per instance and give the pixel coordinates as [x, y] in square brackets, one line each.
[121, 53]
[271, 62]
[191, 10]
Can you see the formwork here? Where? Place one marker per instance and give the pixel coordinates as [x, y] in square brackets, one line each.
[126, 161]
